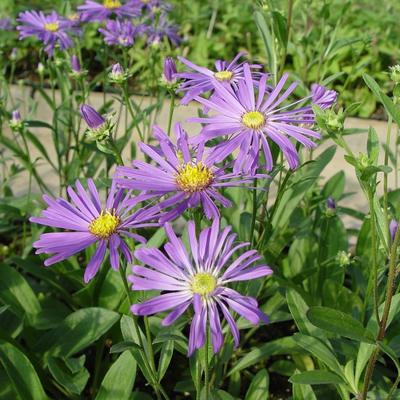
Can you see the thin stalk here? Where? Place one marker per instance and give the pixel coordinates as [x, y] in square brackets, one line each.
[393, 388]
[149, 341]
[396, 172]
[385, 314]
[254, 212]
[206, 372]
[198, 379]
[288, 26]
[130, 109]
[385, 176]
[171, 111]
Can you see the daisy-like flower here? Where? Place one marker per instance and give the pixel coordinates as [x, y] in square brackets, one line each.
[51, 29]
[93, 11]
[254, 119]
[151, 6]
[323, 97]
[88, 222]
[200, 80]
[184, 175]
[200, 279]
[156, 32]
[6, 24]
[119, 33]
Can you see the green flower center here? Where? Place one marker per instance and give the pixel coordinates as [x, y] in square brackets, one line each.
[253, 119]
[111, 4]
[203, 283]
[52, 26]
[194, 177]
[104, 225]
[223, 75]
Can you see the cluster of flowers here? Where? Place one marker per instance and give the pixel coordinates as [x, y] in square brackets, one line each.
[122, 20]
[185, 174]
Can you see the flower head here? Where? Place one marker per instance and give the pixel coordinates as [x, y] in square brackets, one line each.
[161, 29]
[200, 277]
[117, 74]
[185, 175]
[87, 222]
[6, 24]
[119, 33]
[253, 120]
[93, 11]
[199, 80]
[51, 29]
[75, 64]
[323, 97]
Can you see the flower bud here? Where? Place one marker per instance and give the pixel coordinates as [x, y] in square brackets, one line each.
[343, 258]
[393, 228]
[15, 121]
[395, 73]
[117, 74]
[14, 54]
[40, 69]
[99, 128]
[169, 69]
[75, 65]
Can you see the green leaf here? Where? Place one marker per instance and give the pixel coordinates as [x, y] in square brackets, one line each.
[298, 308]
[167, 350]
[74, 382]
[21, 373]
[284, 345]
[319, 350]
[340, 323]
[119, 380]
[390, 107]
[122, 346]
[79, 330]
[334, 187]
[259, 386]
[316, 377]
[373, 145]
[17, 294]
[268, 41]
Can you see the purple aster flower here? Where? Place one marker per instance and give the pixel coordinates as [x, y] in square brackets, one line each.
[87, 222]
[253, 120]
[201, 278]
[151, 5]
[119, 33]
[51, 29]
[169, 69]
[6, 24]
[393, 228]
[156, 32]
[323, 97]
[184, 175]
[201, 80]
[93, 11]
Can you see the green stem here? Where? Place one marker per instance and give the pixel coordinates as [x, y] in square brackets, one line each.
[385, 314]
[385, 176]
[206, 372]
[288, 26]
[171, 111]
[198, 379]
[254, 212]
[128, 104]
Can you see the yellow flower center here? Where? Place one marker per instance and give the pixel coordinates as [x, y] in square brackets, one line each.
[52, 26]
[111, 3]
[194, 177]
[203, 283]
[104, 225]
[253, 119]
[223, 75]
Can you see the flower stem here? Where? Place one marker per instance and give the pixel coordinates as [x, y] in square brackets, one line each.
[385, 314]
[254, 212]
[128, 104]
[171, 111]
[206, 372]
[385, 177]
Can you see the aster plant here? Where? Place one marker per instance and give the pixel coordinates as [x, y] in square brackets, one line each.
[86, 221]
[51, 29]
[253, 119]
[183, 178]
[200, 278]
[119, 33]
